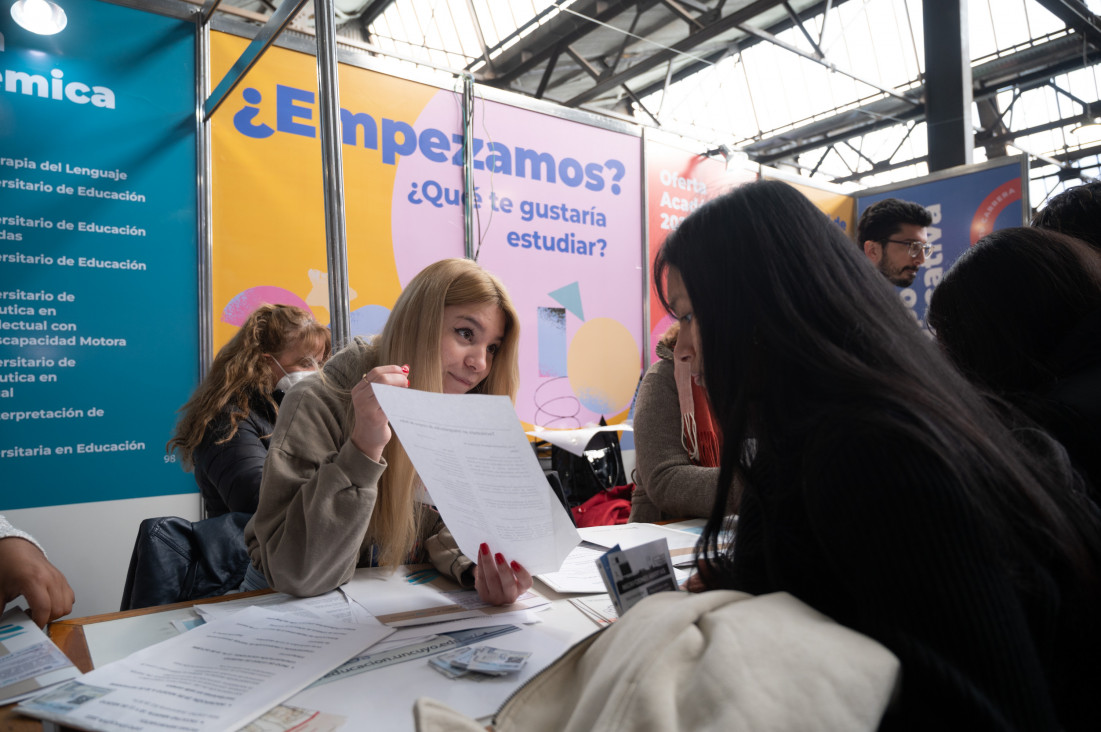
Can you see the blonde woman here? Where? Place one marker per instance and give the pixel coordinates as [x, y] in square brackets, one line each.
[338, 490]
[225, 427]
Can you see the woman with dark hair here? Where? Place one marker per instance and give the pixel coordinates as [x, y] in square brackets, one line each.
[883, 491]
[1020, 314]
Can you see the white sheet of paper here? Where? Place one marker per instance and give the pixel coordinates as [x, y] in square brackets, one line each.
[682, 545]
[471, 453]
[408, 596]
[580, 574]
[112, 640]
[384, 697]
[333, 605]
[575, 441]
[215, 677]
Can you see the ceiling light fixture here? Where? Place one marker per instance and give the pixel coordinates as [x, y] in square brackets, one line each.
[39, 16]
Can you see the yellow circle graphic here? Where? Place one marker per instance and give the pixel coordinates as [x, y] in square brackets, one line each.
[603, 366]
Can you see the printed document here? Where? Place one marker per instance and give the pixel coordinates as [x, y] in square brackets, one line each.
[483, 476]
[29, 660]
[682, 545]
[416, 594]
[217, 676]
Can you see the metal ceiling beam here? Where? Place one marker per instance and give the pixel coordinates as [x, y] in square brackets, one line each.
[1077, 16]
[834, 138]
[680, 12]
[742, 44]
[1057, 56]
[539, 45]
[803, 29]
[1060, 159]
[656, 59]
[766, 36]
[545, 79]
[481, 37]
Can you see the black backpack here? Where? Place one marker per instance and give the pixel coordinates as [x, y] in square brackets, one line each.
[598, 468]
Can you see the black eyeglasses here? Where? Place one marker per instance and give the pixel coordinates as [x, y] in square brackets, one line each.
[914, 246]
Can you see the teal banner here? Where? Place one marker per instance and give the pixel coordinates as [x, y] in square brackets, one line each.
[98, 256]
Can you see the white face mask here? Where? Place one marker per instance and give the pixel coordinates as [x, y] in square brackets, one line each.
[289, 379]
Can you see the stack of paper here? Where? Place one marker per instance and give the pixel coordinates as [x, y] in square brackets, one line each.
[598, 608]
[216, 677]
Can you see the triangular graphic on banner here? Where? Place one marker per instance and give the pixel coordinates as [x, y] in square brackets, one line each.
[570, 297]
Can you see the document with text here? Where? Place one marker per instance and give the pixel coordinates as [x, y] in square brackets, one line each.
[29, 660]
[217, 676]
[482, 474]
[416, 594]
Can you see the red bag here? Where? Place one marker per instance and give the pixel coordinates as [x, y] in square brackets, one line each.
[612, 506]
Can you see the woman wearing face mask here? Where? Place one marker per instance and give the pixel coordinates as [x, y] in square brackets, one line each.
[339, 491]
[225, 427]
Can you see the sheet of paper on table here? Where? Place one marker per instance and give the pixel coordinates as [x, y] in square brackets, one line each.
[29, 660]
[112, 640]
[416, 594]
[580, 573]
[218, 676]
[384, 697]
[682, 545]
[471, 452]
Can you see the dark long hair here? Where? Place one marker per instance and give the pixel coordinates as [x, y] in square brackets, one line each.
[1010, 301]
[796, 327]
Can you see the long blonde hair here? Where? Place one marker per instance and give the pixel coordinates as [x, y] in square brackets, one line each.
[412, 336]
[239, 372]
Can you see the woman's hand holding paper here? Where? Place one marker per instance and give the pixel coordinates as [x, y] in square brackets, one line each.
[498, 581]
[372, 430]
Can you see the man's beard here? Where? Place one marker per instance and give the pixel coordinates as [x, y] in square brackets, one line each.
[902, 277]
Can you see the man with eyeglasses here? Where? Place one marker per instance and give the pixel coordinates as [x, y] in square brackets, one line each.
[894, 236]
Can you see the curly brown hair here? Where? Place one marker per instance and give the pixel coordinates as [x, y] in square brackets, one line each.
[239, 372]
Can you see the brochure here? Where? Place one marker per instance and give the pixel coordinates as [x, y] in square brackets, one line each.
[29, 660]
[632, 574]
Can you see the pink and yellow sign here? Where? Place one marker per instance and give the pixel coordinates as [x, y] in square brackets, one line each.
[678, 182]
[557, 215]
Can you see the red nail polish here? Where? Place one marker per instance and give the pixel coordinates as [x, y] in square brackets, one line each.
[484, 549]
[405, 369]
[500, 558]
[515, 566]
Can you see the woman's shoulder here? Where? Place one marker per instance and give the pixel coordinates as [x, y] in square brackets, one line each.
[350, 363]
[660, 369]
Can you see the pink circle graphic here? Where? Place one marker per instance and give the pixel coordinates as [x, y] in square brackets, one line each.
[238, 309]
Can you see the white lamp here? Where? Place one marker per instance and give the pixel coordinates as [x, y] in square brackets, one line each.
[39, 16]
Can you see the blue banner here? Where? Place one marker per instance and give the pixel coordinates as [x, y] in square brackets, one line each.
[966, 206]
[98, 256]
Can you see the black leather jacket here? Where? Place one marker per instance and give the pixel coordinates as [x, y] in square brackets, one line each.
[229, 473]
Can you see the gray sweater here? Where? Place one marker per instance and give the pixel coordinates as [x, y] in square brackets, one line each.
[668, 485]
[318, 491]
